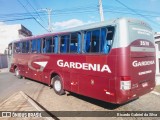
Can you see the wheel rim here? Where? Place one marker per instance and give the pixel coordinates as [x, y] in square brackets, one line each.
[17, 72]
[57, 85]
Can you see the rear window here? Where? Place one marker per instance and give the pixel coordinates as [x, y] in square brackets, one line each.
[137, 31]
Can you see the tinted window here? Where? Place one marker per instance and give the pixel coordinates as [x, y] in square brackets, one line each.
[55, 44]
[87, 41]
[92, 41]
[44, 45]
[64, 44]
[103, 39]
[17, 47]
[48, 45]
[9, 49]
[24, 47]
[95, 41]
[99, 40]
[109, 39]
[38, 46]
[27, 46]
[34, 46]
[74, 43]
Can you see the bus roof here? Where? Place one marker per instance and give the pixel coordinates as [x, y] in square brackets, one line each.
[86, 27]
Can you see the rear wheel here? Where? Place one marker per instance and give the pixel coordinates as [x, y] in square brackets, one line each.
[17, 73]
[57, 85]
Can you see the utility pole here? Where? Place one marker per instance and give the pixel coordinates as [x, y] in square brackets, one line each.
[49, 12]
[101, 10]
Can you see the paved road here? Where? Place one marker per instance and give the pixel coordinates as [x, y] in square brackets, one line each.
[46, 97]
[9, 84]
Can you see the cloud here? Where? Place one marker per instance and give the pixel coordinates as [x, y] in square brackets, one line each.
[2, 23]
[158, 19]
[69, 24]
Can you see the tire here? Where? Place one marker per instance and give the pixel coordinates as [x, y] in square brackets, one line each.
[17, 73]
[57, 85]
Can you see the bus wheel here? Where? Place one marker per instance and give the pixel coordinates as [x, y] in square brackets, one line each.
[57, 85]
[17, 73]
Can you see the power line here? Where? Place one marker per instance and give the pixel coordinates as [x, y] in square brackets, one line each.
[17, 19]
[35, 10]
[136, 12]
[124, 9]
[49, 12]
[83, 10]
[33, 16]
[67, 13]
[15, 15]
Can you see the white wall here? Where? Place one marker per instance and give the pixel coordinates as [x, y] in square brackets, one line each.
[157, 41]
[157, 59]
[8, 33]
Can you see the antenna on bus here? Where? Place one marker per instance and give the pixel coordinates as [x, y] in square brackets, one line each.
[101, 10]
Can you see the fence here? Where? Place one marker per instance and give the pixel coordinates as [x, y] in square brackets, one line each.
[3, 61]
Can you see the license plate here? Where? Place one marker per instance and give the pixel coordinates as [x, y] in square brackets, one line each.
[145, 84]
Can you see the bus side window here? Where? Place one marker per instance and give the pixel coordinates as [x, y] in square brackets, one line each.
[109, 37]
[16, 47]
[38, 45]
[64, 44]
[34, 46]
[106, 39]
[20, 44]
[53, 45]
[79, 42]
[74, 43]
[55, 42]
[87, 41]
[95, 41]
[44, 45]
[9, 49]
[91, 41]
[27, 46]
[48, 45]
[104, 47]
[24, 47]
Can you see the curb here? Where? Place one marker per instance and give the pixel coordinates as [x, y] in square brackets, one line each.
[30, 101]
[156, 93]
[34, 104]
[4, 70]
[7, 99]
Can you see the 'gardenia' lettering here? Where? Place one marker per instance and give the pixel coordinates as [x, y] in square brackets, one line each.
[143, 63]
[84, 66]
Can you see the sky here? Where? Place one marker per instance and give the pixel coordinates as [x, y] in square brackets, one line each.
[70, 13]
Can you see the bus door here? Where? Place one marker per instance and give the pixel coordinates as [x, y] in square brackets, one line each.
[142, 58]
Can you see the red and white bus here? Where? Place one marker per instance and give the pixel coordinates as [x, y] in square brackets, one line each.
[112, 61]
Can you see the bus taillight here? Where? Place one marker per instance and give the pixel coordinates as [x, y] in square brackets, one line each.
[125, 83]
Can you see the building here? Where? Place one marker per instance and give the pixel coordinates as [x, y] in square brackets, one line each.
[9, 33]
[157, 45]
[3, 61]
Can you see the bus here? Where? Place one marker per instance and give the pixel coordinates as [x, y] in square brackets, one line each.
[112, 61]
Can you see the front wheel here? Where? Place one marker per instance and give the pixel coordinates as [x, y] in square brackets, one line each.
[57, 85]
[17, 73]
